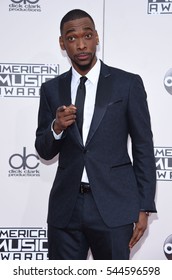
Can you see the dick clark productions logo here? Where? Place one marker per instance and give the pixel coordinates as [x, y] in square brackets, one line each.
[25, 1]
[24, 6]
[24, 164]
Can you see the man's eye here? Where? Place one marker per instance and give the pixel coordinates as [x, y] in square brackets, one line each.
[88, 36]
[71, 38]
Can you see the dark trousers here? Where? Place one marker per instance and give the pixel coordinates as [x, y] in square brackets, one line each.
[87, 230]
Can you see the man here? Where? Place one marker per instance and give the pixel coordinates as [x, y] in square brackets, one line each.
[99, 199]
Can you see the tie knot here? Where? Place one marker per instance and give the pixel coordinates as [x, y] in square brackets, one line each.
[82, 81]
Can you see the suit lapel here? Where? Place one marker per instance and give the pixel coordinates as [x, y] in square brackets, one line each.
[65, 88]
[65, 99]
[102, 98]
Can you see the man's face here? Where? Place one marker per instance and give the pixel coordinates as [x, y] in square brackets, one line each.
[79, 38]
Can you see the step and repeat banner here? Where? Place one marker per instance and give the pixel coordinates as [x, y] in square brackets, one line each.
[135, 36]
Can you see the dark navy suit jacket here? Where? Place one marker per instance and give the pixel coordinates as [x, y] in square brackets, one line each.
[121, 187]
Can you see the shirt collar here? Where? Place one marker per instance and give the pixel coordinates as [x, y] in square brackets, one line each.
[92, 75]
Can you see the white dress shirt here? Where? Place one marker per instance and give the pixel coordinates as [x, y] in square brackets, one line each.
[90, 97]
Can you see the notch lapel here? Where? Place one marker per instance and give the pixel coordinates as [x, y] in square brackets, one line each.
[102, 99]
[65, 88]
[65, 99]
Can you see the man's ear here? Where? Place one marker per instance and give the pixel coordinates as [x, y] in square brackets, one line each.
[97, 38]
[61, 43]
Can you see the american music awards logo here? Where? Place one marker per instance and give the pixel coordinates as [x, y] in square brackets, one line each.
[24, 80]
[23, 243]
[159, 7]
[24, 6]
[24, 164]
[163, 159]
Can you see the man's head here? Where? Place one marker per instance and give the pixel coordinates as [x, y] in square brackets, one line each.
[79, 39]
[72, 15]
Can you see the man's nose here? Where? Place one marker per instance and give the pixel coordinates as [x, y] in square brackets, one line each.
[81, 44]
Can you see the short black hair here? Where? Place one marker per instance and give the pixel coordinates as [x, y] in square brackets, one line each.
[72, 15]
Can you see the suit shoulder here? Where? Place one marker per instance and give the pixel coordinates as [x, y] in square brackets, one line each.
[117, 72]
[53, 82]
[123, 73]
[122, 77]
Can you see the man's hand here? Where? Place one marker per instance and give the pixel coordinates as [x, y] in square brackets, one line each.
[65, 116]
[139, 229]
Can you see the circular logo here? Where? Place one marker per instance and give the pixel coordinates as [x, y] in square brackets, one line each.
[168, 247]
[30, 161]
[168, 81]
[25, 1]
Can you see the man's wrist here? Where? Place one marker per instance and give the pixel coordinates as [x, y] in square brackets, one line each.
[146, 212]
[57, 136]
[55, 128]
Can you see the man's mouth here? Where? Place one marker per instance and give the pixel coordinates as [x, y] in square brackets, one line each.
[83, 56]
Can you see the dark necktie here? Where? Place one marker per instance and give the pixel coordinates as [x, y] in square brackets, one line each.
[79, 103]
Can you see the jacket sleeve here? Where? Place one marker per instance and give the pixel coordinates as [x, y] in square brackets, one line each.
[45, 143]
[142, 144]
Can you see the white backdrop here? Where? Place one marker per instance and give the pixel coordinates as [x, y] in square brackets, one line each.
[135, 36]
